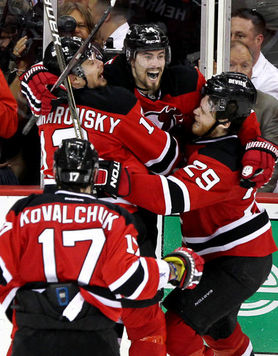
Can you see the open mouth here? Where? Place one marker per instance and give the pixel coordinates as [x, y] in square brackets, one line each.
[153, 75]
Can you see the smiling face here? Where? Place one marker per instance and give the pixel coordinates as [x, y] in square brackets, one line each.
[93, 70]
[147, 69]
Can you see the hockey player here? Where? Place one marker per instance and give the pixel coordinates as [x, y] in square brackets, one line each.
[169, 94]
[220, 220]
[67, 260]
[111, 118]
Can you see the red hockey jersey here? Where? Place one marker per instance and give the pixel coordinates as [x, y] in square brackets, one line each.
[70, 236]
[111, 118]
[179, 94]
[218, 216]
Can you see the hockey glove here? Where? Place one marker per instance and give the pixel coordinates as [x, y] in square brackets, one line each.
[35, 85]
[186, 267]
[258, 163]
[112, 180]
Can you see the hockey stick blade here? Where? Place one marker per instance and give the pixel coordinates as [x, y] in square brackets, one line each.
[80, 51]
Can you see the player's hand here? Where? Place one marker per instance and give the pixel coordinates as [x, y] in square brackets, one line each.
[112, 180]
[35, 85]
[186, 267]
[258, 163]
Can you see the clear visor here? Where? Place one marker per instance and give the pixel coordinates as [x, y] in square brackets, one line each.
[94, 53]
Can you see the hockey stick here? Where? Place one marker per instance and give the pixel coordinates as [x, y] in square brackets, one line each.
[62, 65]
[82, 48]
[66, 69]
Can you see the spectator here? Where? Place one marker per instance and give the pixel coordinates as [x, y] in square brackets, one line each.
[69, 299]
[8, 110]
[220, 220]
[266, 106]
[8, 127]
[115, 26]
[20, 151]
[248, 26]
[180, 20]
[269, 10]
[82, 16]
[7, 35]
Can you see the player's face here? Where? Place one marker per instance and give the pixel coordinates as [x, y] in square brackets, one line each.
[93, 69]
[244, 31]
[204, 118]
[81, 29]
[147, 69]
[241, 60]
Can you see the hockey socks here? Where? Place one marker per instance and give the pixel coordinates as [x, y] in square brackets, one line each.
[182, 340]
[237, 344]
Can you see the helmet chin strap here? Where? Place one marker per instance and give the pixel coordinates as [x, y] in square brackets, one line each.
[142, 89]
[217, 122]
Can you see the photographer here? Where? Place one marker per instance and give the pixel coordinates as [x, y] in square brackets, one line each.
[23, 50]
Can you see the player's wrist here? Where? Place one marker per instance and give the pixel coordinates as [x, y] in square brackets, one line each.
[173, 275]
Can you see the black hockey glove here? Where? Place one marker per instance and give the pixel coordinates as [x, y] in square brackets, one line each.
[186, 268]
[112, 180]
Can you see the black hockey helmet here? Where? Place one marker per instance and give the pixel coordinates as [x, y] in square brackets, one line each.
[146, 37]
[70, 46]
[75, 163]
[233, 95]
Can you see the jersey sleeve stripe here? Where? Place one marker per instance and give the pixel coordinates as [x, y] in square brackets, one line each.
[114, 287]
[6, 227]
[134, 284]
[5, 276]
[179, 195]
[164, 163]
[105, 301]
[176, 195]
[142, 285]
[167, 195]
[34, 104]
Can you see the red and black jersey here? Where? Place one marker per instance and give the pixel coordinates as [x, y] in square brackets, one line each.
[112, 119]
[179, 94]
[8, 109]
[218, 216]
[70, 236]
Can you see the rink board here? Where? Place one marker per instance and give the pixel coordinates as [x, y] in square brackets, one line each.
[258, 315]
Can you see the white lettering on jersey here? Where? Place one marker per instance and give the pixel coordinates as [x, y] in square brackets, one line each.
[89, 118]
[60, 213]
